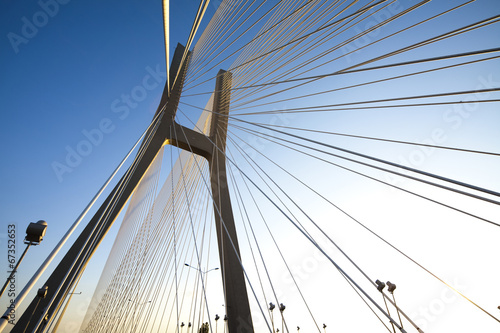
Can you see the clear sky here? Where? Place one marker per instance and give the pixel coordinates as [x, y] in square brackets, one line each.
[72, 69]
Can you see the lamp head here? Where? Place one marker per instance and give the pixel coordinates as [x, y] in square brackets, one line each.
[42, 292]
[391, 287]
[282, 307]
[35, 232]
[380, 285]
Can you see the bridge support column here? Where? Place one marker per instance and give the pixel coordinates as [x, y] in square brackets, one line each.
[235, 292]
[41, 311]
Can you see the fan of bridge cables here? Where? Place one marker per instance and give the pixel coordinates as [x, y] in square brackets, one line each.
[362, 151]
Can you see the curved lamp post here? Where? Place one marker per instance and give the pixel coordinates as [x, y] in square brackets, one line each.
[34, 236]
[199, 270]
[135, 309]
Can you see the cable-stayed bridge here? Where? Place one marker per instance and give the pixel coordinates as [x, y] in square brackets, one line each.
[303, 154]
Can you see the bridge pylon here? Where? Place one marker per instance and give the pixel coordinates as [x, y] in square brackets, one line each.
[42, 311]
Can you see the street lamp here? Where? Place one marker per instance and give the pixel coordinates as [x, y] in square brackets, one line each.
[34, 235]
[202, 273]
[199, 270]
[135, 309]
[391, 288]
[282, 308]
[216, 319]
[380, 287]
[271, 308]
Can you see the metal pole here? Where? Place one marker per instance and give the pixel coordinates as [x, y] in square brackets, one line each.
[13, 272]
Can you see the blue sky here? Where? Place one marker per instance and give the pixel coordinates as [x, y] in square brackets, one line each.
[67, 57]
[79, 72]
[59, 83]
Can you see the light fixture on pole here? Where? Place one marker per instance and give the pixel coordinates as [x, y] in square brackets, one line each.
[202, 276]
[34, 235]
[391, 288]
[135, 310]
[380, 287]
[282, 308]
[271, 308]
[199, 270]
